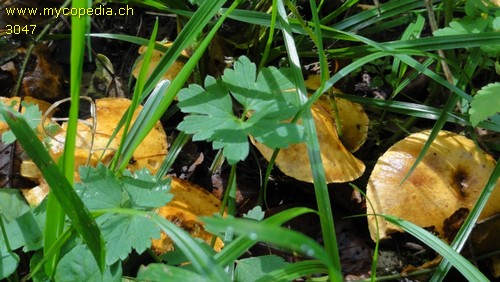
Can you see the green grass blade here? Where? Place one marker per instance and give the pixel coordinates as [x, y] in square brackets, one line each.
[138, 89]
[466, 229]
[187, 36]
[273, 234]
[139, 130]
[293, 271]
[469, 271]
[241, 244]
[199, 258]
[173, 152]
[81, 219]
[425, 44]
[369, 17]
[320, 187]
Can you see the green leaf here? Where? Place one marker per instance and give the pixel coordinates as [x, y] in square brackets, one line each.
[251, 269]
[24, 231]
[12, 204]
[32, 115]
[145, 191]
[472, 25]
[485, 103]
[61, 188]
[255, 213]
[78, 265]
[157, 272]
[101, 189]
[8, 262]
[124, 232]
[267, 97]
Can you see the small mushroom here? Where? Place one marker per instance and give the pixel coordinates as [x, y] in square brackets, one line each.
[441, 191]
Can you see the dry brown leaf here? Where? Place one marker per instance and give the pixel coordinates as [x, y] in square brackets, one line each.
[340, 165]
[189, 202]
[45, 80]
[170, 74]
[445, 183]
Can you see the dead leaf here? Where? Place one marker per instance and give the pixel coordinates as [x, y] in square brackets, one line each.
[189, 202]
[340, 165]
[449, 178]
[45, 80]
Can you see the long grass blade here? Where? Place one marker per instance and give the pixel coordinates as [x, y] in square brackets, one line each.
[139, 130]
[276, 235]
[241, 244]
[320, 188]
[469, 271]
[199, 258]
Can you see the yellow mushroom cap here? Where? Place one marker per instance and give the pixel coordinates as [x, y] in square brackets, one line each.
[189, 202]
[340, 165]
[444, 185]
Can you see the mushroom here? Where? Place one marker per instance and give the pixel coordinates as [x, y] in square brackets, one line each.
[340, 165]
[189, 202]
[149, 154]
[440, 192]
[170, 74]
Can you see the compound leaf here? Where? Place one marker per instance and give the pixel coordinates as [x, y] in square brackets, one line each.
[267, 105]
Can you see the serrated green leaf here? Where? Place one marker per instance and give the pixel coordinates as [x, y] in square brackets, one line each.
[124, 232]
[100, 189]
[485, 103]
[32, 115]
[24, 231]
[145, 192]
[471, 25]
[12, 204]
[78, 265]
[267, 97]
[251, 269]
